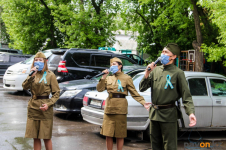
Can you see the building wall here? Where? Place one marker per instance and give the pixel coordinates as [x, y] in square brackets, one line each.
[124, 41]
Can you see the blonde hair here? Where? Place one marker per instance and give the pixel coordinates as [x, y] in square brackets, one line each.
[45, 68]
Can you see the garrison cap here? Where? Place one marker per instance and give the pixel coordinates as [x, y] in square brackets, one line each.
[174, 48]
[40, 55]
[115, 59]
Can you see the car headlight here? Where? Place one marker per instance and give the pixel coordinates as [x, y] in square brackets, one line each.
[22, 71]
[70, 93]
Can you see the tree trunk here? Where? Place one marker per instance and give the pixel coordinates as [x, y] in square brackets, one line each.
[197, 44]
[213, 67]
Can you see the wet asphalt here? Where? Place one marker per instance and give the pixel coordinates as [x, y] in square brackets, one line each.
[71, 132]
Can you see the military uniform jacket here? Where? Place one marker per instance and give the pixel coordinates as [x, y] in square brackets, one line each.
[162, 96]
[118, 105]
[41, 89]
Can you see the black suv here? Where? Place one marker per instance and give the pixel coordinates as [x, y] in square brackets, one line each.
[86, 63]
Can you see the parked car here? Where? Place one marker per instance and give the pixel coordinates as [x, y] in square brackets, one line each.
[137, 59]
[55, 58]
[79, 63]
[208, 91]
[16, 74]
[72, 92]
[8, 59]
[8, 50]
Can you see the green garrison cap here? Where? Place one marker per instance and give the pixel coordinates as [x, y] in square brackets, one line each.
[174, 48]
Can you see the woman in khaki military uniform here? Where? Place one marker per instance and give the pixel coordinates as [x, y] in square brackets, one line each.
[40, 106]
[115, 118]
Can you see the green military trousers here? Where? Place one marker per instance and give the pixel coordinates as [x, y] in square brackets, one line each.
[163, 135]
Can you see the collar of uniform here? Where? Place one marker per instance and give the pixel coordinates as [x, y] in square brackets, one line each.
[167, 67]
[118, 73]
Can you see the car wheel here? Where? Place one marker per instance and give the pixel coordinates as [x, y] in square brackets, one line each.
[28, 92]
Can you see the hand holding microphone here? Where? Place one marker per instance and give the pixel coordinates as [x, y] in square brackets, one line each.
[105, 73]
[151, 66]
[34, 71]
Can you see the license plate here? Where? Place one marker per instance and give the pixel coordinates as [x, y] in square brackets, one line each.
[95, 102]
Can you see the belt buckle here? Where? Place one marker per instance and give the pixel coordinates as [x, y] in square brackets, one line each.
[110, 95]
[34, 96]
[156, 106]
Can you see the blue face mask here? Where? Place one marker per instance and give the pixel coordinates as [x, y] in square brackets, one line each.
[114, 69]
[40, 64]
[165, 59]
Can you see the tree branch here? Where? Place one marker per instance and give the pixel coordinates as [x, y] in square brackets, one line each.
[97, 7]
[144, 19]
[43, 3]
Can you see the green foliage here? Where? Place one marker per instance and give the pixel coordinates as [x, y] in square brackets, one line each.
[4, 37]
[88, 24]
[43, 24]
[30, 25]
[159, 22]
[216, 50]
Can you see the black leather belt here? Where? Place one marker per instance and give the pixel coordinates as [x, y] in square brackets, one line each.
[42, 97]
[163, 106]
[116, 95]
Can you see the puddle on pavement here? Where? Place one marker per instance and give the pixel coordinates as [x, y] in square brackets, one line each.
[24, 142]
[11, 144]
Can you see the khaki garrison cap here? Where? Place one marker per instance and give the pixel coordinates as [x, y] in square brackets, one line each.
[115, 59]
[40, 55]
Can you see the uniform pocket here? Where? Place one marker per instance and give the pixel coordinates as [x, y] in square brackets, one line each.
[47, 88]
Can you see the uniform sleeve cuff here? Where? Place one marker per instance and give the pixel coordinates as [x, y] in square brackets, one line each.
[143, 102]
[30, 78]
[102, 80]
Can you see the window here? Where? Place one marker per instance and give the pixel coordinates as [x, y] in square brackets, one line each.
[125, 62]
[30, 60]
[100, 61]
[136, 82]
[136, 57]
[16, 59]
[54, 59]
[197, 87]
[82, 58]
[218, 87]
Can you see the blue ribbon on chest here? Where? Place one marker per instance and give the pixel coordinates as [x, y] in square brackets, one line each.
[168, 83]
[44, 78]
[120, 86]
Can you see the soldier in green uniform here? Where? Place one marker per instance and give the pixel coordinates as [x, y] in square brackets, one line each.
[115, 120]
[40, 106]
[168, 84]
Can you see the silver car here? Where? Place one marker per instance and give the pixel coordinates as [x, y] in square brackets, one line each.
[209, 96]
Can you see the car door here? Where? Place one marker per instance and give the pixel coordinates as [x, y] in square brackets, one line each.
[218, 94]
[99, 63]
[78, 68]
[202, 102]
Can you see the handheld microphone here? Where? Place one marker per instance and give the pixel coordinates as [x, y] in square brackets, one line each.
[100, 74]
[34, 71]
[159, 59]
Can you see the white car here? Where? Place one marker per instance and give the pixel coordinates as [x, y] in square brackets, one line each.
[209, 96]
[17, 73]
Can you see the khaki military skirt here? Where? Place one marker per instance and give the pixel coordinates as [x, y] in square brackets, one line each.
[39, 129]
[114, 125]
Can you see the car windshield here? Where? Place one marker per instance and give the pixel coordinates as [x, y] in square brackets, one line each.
[136, 81]
[30, 60]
